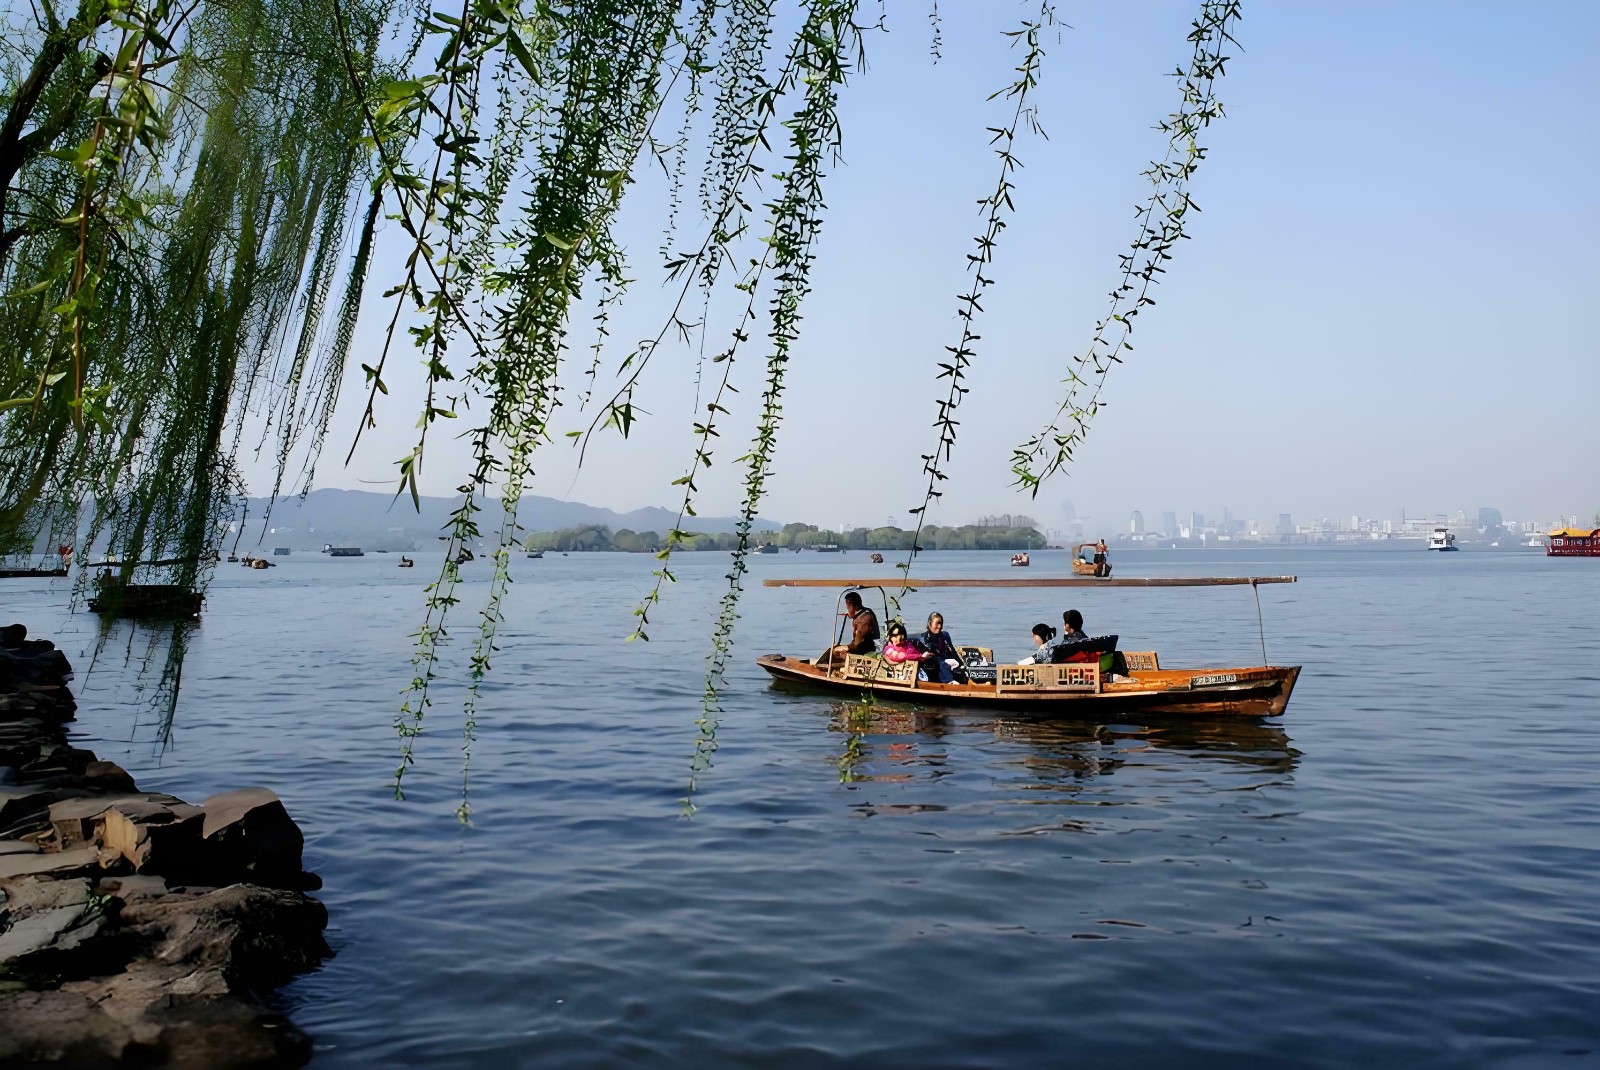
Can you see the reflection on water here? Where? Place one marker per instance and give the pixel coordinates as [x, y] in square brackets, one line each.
[1052, 761]
[148, 656]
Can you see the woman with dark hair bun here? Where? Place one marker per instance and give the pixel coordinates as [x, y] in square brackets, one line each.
[943, 663]
[1044, 642]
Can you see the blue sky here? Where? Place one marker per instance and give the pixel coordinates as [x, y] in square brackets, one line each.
[1386, 304]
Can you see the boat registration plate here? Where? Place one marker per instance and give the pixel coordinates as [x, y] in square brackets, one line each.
[1214, 679]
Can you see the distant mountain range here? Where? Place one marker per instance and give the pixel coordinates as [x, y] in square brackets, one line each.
[380, 521]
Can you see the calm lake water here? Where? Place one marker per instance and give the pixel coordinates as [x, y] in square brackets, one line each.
[1403, 872]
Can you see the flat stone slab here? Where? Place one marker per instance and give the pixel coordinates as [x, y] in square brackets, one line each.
[49, 933]
[32, 896]
[133, 888]
[56, 865]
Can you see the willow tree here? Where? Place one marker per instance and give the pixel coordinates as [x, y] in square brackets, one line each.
[193, 197]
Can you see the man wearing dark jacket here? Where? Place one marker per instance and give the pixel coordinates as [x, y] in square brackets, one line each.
[863, 633]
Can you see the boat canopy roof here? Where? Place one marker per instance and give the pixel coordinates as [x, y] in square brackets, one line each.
[1573, 533]
[1037, 581]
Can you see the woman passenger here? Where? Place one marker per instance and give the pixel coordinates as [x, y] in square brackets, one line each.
[901, 648]
[1044, 642]
[943, 662]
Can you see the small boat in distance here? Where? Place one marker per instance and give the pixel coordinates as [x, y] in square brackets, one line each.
[1573, 542]
[767, 548]
[340, 551]
[145, 601]
[1441, 539]
[1020, 561]
[877, 559]
[534, 555]
[827, 548]
[405, 562]
[1091, 559]
[31, 573]
[280, 551]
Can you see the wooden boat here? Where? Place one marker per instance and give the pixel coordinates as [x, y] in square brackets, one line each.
[1097, 564]
[464, 556]
[261, 563]
[1067, 690]
[1019, 561]
[31, 573]
[877, 559]
[406, 562]
[144, 601]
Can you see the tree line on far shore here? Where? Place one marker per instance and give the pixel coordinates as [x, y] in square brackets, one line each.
[599, 537]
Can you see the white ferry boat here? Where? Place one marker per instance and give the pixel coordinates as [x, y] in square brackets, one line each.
[1441, 539]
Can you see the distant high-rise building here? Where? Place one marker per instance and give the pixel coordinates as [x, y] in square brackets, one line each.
[1197, 522]
[1489, 518]
[1169, 523]
[1068, 511]
[1285, 524]
[1136, 523]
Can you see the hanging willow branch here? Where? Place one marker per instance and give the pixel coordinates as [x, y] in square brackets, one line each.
[997, 206]
[192, 200]
[1163, 221]
[832, 44]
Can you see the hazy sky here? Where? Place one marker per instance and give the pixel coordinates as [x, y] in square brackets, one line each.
[1387, 304]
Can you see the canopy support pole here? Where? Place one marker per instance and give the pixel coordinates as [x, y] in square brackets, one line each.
[1261, 626]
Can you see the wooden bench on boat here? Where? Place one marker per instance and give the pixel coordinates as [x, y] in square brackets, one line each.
[1073, 676]
[871, 667]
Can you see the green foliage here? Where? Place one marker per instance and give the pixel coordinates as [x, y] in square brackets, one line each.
[997, 205]
[1163, 220]
[190, 206]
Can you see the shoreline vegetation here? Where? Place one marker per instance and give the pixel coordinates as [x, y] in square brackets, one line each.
[981, 536]
[135, 928]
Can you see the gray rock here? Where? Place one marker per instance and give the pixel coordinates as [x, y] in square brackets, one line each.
[53, 937]
[250, 836]
[263, 935]
[20, 801]
[50, 865]
[154, 838]
[32, 896]
[132, 888]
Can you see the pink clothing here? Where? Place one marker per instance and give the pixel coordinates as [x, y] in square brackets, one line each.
[902, 650]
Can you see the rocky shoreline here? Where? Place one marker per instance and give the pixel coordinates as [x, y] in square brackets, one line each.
[135, 928]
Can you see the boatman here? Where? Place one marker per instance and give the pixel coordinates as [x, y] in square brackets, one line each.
[863, 634]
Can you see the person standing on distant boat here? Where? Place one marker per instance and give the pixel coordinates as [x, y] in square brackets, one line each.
[863, 633]
[1072, 626]
[943, 661]
[1044, 642]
